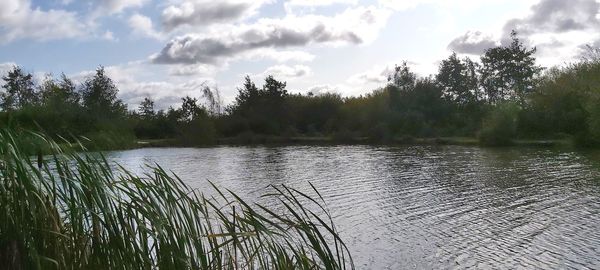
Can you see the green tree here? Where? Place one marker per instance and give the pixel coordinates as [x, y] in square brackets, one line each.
[247, 95]
[509, 73]
[274, 88]
[402, 78]
[261, 110]
[58, 93]
[146, 108]
[19, 91]
[99, 95]
[190, 109]
[459, 80]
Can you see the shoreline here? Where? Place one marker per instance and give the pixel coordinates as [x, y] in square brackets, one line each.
[279, 140]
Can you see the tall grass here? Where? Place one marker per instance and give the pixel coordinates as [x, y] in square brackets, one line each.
[70, 210]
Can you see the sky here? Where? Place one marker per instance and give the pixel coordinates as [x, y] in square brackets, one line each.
[168, 49]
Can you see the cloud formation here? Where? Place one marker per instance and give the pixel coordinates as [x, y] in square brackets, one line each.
[558, 29]
[353, 26]
[117, 6]
[472, 43]
[6, 67]
[316, 3]
[207, 12]
[376, 75]
[557, 16]
[19, 20]
[288, 72]
[142, 26]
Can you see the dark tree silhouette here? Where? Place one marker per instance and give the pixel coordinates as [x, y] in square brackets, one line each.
[99, 95]
[459, 80]
[146, 108]
[402, 77]
[509, 73]
[58, 93]
[19, 91]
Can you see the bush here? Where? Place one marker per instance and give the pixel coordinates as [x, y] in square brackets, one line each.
[381, 133]
[500, 126]
[109, 140]
[198, 132]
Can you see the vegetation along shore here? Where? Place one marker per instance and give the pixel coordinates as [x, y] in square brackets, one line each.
[69, 210]
[505, 98]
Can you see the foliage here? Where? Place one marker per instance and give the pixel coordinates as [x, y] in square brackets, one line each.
[559, 102]
[19, 90]
[99, 96]
[146, 108]
[78, 211]
[500, 126]
[509, 73]
[402, 78]
[459, 80]
[260, 110]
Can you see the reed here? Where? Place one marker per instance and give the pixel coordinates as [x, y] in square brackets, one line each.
[75, 210]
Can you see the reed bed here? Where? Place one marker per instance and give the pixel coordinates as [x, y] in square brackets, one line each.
[73, 210]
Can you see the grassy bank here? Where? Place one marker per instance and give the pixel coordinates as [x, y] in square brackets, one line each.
[77, 211]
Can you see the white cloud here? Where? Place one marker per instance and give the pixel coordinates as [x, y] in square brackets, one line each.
[320, 2]
[108, 35]
[375, 76]
[6, 67]
[116, 6]
[324, 88]
[193, 70]
[280, 56]
[354, 26]
[472, 42]
[401, 5]
[142, 26]
[199, 13]
[288, 72]
[557, 28]
[19, 20]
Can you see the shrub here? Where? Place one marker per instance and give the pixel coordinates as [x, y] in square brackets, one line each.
[380, 133]
[109, 140]
[500, 126]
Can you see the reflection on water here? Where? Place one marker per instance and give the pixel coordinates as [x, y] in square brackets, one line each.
[423, 207]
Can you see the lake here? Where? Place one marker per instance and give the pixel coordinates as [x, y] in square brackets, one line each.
[423, 207]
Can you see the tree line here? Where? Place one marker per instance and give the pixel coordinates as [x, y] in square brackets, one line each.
[503, 96]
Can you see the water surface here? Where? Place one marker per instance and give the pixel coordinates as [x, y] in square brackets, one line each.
[423, 207]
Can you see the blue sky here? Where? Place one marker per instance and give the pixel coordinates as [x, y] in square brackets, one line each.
[167, 49]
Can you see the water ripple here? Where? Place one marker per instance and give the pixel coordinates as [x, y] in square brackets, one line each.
[424, 207]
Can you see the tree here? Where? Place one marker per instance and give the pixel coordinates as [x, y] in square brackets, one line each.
[402, 78]
[59, 93]
[190, 109]
[274, 88]
[458, 78]
[99, 95]
[19, 90]
[68, 90]
[509, 73]
[213, 99]
[261, 110]
[146, 108]
[247, 93]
